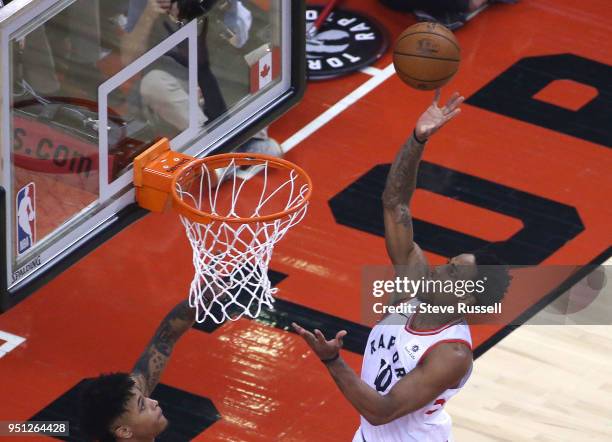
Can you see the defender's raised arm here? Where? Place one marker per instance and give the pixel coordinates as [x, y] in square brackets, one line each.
[153, 360]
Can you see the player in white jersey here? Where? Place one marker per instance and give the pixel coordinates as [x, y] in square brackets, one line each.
[414, 362]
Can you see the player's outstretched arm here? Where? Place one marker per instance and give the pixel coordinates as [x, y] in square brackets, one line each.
[443, 368]
[401, 184]
[153, 360]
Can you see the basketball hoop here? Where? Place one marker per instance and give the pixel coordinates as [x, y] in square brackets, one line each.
[232, 228]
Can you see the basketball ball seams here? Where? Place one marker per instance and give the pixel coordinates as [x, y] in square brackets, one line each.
[428, 27]
[430, 33]
[426, 56]
[426, 81]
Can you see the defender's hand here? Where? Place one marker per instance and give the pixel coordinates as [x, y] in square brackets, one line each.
[323, 348]
[435, 117]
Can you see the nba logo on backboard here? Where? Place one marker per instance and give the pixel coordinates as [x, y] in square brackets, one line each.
[26, 218]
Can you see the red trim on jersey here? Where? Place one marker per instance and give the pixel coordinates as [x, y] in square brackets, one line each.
[429, 331]
[444, 341]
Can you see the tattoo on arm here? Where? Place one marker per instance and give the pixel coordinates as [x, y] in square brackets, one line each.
[403, 215]
[153, 360]
[402, 178]
[150, 367]
[183, 312]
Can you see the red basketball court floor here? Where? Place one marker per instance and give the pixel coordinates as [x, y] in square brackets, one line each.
[531, 170]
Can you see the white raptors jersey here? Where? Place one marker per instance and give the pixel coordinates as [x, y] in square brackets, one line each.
[393, 350]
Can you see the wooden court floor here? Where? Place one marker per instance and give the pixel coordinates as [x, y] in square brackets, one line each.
[544, 382]
[527, 163]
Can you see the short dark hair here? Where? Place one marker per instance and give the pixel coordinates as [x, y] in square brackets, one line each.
[104, 399]
[497, 275]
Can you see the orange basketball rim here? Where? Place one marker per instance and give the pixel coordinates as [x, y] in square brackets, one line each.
[232, 220]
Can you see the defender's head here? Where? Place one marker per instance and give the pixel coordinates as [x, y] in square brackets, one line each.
[113, 408]
[482, 267]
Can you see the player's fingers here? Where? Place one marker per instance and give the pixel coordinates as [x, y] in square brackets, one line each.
[437, 96]
[308, 337]
[451, 99]
[311, 341]
[452, 103]
[455, 102]
[458, 102]
[319, 336]
[299, 330]
[451, 115]
[340, 337]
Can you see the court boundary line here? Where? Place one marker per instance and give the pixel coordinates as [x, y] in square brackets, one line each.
[370, 70]
[339, 107]
[11, 342]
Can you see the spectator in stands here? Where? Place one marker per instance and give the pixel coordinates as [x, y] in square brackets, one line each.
[164, 86]
[451, 13]
[34, 67]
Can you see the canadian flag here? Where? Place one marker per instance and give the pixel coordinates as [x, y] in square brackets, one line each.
[263, 71]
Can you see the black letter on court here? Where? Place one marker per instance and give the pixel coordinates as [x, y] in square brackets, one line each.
[511, 94]
[547, 224]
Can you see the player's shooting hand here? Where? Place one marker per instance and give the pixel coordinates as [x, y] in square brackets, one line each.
[435, 117]
[323, 348]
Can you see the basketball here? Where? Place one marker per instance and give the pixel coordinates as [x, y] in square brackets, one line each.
[426, 56]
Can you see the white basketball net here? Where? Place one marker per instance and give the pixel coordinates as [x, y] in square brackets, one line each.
[231, 259]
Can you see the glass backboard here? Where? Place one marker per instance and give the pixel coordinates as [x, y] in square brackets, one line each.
[90, 84]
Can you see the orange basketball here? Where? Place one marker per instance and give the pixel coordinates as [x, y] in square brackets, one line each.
[426, 56]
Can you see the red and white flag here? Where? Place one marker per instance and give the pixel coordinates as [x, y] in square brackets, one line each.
[261, 72]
